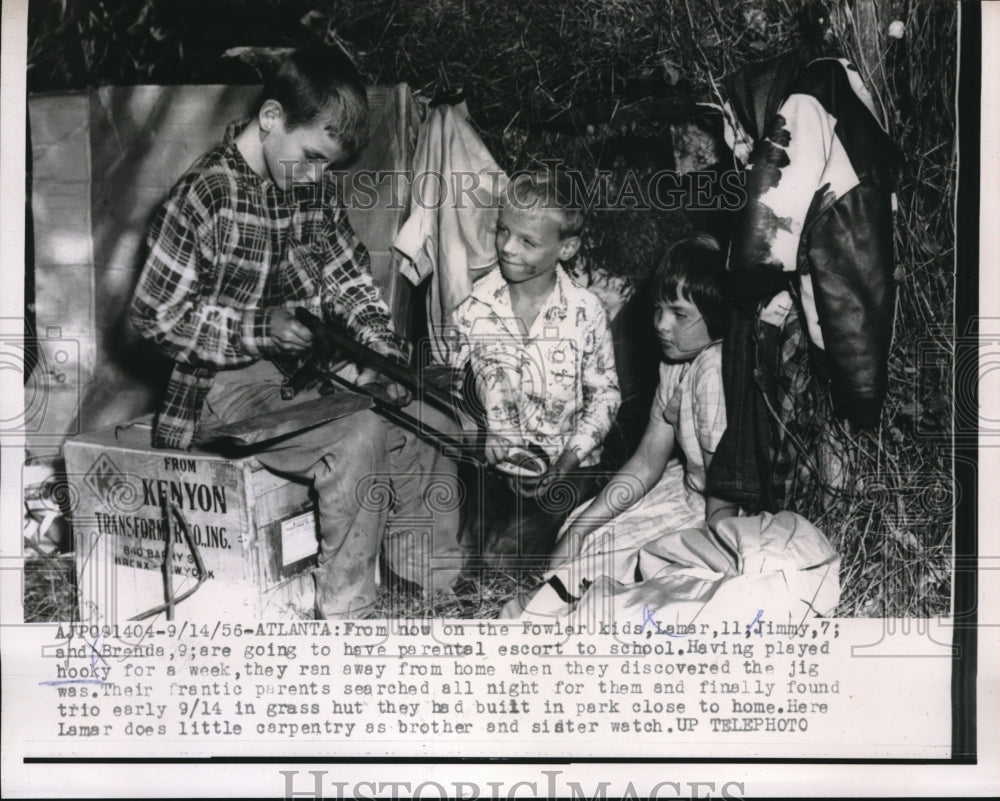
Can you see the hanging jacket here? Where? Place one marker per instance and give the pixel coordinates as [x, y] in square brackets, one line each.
[817, 224]
[819, 206]
[453, 212]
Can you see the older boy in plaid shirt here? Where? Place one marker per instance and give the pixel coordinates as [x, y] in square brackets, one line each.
[251, 232]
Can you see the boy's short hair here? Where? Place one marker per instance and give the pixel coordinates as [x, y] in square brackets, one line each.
[317, 81]
[549, 190]
[694, 267]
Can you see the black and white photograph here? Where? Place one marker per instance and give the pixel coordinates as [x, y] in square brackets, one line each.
[469, 398]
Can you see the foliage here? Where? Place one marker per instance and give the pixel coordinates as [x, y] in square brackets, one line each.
[49, 589]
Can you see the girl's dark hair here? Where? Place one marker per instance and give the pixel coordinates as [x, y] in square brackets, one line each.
[694, 267]
[320, 81]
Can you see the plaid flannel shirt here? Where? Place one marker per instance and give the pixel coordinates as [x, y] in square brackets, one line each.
[228, 247]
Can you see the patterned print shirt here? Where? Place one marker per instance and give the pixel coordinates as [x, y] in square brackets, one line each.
[227, 247]
[557, 387]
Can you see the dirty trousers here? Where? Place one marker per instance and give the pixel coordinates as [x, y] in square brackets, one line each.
[373, 481]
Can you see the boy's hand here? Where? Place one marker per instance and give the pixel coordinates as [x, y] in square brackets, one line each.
[395, 393]
[497, 447]
[287, 333]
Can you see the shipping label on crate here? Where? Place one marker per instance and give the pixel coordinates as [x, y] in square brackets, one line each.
[129, 506]
[298, 541]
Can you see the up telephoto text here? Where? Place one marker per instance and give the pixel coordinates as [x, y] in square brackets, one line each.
[358, 680]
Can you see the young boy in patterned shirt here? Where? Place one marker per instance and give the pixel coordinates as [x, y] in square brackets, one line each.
[540, 353]
[253, 230]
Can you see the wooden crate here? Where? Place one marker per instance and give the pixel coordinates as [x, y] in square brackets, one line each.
[255, 531]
